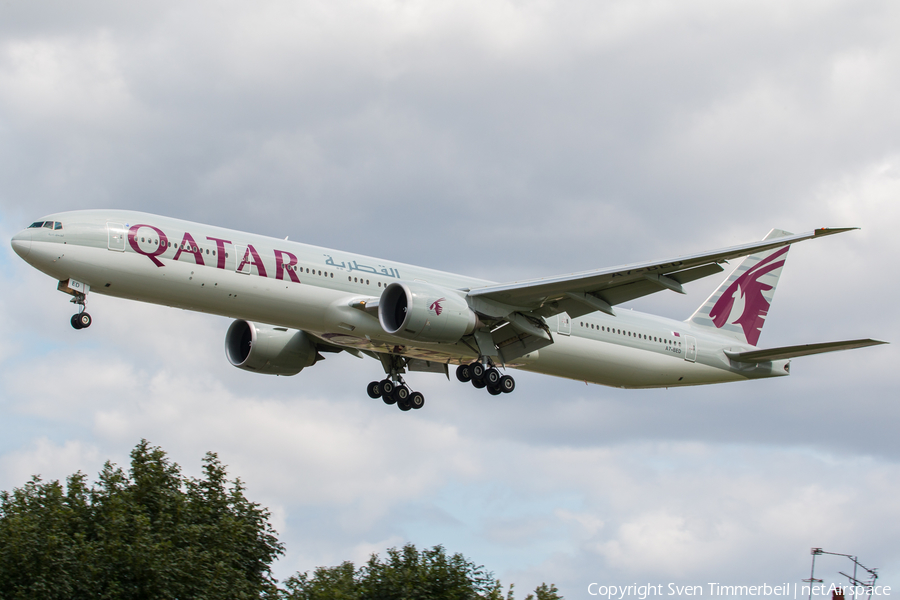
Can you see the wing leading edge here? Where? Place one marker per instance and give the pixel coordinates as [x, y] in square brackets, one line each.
[589, 291]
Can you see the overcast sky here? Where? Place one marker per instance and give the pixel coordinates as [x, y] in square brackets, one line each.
[500, 139]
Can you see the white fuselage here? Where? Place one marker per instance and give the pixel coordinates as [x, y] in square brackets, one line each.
[289, 284]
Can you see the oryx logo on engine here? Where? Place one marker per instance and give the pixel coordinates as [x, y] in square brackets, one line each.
[437, 307]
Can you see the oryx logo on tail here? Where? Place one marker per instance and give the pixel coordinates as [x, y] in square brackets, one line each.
[738, 308]
[743, 302]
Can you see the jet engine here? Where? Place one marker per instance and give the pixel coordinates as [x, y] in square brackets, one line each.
[267, 349]
[425, 313]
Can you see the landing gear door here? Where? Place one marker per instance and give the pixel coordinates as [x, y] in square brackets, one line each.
[690, 348]
[564, 326]
[242, 262]
[116, 233]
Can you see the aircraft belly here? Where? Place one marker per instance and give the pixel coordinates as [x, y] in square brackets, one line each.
[616, 365]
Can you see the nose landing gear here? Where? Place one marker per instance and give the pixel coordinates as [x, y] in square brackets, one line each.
[79, 292]
[80, 320]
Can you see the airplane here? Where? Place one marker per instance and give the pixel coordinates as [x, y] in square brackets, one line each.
[291, 302]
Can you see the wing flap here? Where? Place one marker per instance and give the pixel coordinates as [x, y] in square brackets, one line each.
[785, 352]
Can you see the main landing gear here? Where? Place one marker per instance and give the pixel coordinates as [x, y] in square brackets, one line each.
[396, 392]
[486, 376]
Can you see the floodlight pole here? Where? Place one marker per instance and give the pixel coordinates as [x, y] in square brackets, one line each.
[873, 573]
[812, 577]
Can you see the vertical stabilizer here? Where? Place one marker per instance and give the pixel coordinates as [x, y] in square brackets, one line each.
[738, 308]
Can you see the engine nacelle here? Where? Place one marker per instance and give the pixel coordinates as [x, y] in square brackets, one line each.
[425, 312]
[267, 349]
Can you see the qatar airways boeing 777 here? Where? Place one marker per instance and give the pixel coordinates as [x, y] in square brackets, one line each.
[292, 302]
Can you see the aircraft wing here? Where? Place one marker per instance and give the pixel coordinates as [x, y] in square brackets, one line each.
[589, 291]
[785, 352]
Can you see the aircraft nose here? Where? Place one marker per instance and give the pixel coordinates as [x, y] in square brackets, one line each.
[21, 243]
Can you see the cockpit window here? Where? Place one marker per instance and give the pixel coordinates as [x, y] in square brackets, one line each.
[46, 225]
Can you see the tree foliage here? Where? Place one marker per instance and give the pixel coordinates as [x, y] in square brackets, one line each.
[151, 532]
[147, 533]
[406, 574]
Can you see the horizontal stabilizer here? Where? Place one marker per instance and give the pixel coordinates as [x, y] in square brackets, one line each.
[786, 352]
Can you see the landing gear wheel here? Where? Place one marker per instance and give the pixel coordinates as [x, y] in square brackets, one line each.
[464, 373]
[401, 393]
[374, 389]
[476, 370]
[417, 400]
[478, 383]
[404, 404]
[81, 320]
[492, 376]
[494, 391]
[507, 384]
[386, 387]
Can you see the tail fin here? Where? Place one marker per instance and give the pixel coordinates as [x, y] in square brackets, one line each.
[739, 307]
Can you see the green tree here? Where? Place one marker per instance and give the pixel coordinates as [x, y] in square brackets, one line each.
[147, 533]
[405, 574]
[542, 592]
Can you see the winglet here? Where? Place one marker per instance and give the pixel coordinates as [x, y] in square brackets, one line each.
[832, 230]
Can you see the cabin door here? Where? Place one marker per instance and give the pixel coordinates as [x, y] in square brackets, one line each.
[242, 262]
[116, 235]
[690, 348]
[564, 326]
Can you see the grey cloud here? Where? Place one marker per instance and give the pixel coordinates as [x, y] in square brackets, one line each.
[502, 140]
